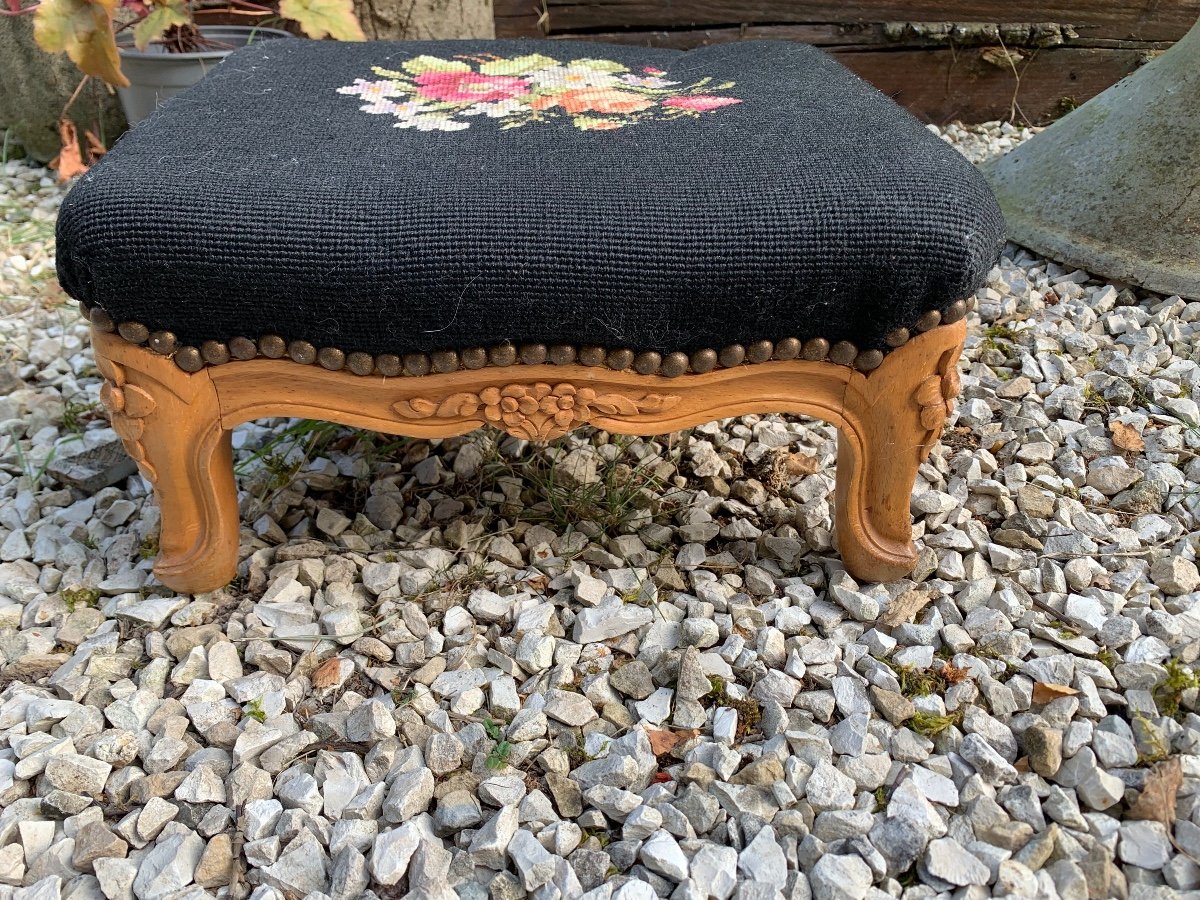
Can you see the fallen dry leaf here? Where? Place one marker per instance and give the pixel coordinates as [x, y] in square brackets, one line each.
[801, 464]
[954, 674]
[1126, 437]
[664, 740]
[904, 608]
[95, 148]
[69, 161]
[1156, 802]
[327, 674]
[1044, 692]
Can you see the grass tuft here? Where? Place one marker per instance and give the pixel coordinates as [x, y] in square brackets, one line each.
[931, 724]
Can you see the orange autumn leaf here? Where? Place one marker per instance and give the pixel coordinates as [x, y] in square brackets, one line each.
[69, 161]
[1044, 692]
[1126, 437]
[664, 740]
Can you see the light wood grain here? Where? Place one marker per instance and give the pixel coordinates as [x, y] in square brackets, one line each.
[887, 418]
[185, 452]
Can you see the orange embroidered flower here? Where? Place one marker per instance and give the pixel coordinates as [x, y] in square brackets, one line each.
[603, 100]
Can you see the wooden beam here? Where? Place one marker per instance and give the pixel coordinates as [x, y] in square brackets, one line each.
[1146, 20]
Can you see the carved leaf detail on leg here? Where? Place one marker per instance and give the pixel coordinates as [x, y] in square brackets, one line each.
[935, 397]
[535, 412]
[127, 406]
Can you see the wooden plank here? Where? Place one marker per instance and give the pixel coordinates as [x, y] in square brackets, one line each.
[943, 85]
[828, 36]
[1141, 20]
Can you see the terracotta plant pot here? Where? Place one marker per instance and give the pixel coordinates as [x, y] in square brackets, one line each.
[156, 75]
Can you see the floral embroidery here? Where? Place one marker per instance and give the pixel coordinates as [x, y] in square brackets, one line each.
[429, 93]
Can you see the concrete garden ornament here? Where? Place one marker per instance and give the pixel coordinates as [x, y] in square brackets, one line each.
[633, 239]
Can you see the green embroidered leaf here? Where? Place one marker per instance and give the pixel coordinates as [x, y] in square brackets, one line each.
[597, 123]
[83, 30]
[419, 65]
[389, 73]
[162, 16]
[520, 65]
[318, 18]
[599, 65]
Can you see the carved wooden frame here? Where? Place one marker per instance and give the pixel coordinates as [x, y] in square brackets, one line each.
[177, 426]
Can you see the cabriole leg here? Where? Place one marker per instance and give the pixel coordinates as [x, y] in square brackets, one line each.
[894, 416]
[170, 423]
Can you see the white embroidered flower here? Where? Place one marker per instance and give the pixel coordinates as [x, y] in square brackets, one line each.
[493, 110]
[647, 81]
[372, 90]
[570, 77]
[432, 122]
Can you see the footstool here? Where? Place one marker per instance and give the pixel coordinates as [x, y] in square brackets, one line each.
[424, 238]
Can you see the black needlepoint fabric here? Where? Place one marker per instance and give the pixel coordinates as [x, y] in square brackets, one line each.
[265, 201]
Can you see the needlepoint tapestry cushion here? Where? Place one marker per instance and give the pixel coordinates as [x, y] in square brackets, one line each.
[425, 196]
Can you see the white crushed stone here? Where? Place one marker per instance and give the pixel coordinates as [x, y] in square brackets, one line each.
[501, 656]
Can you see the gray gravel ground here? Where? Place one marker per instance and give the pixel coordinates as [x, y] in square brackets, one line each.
[616, 667]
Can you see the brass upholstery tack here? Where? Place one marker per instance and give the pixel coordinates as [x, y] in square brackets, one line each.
[868, 360]
[502, 355]
[897, 337]
[101, 320]
[759, 351]
[592, 356]
[733, 355]
[563, 354]
[242, 348]
[189, 359]
[533, 354]
[272, 346]
[929, 320]
[163, 342]
[331, 358]
[362, 364]
[703, 361]
[815, 349]
[302, 352]
[675, 364]
[788, 348]
[416, 364]
[444, 361]
[214, 352]
[388, 364]
[619, 360]
[954, 312]
[843, 353]
[474, 358]
[134, 332]
[647, 363]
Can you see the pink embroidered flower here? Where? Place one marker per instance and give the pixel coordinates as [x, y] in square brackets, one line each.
[458, 87]
[700, 102]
